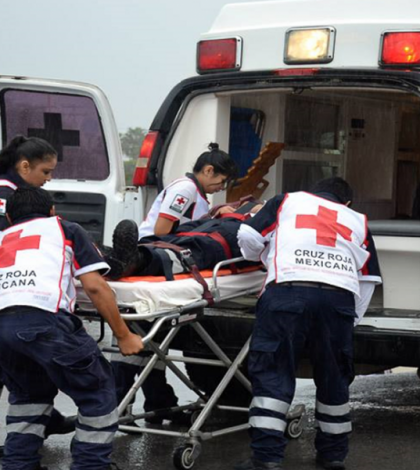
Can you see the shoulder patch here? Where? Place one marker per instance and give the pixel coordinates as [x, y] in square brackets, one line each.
[179, 203]
[2, 206]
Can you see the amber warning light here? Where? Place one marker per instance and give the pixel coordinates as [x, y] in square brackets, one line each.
[401, 48]
[218, 55]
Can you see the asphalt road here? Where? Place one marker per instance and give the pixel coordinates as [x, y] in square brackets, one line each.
[386, 418]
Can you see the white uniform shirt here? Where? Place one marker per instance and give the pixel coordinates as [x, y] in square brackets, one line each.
[181, 201]
[38, 263]
[303, 237]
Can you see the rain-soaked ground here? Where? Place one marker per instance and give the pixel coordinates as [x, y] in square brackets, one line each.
[386, 419]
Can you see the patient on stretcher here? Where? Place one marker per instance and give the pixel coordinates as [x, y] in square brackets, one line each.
[202, 243]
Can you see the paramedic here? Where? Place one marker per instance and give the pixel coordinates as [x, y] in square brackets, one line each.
[43, 346]
[322, 269]
[26, 162]
[181, 201]
[185, 198]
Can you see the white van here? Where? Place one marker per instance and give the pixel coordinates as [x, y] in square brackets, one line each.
[336, 82]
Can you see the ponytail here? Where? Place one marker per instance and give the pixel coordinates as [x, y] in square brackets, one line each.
[29, 148]
[220, 160]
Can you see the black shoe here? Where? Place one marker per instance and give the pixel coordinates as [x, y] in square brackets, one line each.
[254, 464]
[330, 464]
[60, 424]
[182, 418]
[125, 240]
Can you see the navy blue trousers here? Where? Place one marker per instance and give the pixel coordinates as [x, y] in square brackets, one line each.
[290, 319]
[41, 352]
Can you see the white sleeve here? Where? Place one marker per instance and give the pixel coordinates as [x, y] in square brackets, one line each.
[251, 243]
[362, 302]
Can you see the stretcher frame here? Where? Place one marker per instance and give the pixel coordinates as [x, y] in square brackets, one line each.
[185, 455]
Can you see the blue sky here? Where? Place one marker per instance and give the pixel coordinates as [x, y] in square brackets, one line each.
[135, 50]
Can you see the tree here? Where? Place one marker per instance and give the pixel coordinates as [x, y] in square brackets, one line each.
[131, 142]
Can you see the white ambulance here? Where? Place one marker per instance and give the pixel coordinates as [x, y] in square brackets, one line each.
[336, 82]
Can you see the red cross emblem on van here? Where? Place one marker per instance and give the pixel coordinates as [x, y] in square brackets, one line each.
[326, 226]
[12, 243]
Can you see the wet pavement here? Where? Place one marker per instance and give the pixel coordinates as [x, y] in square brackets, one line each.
[386, 418]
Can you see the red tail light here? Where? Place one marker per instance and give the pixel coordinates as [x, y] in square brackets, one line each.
[401, 48]
[219, 54]
[143, 162]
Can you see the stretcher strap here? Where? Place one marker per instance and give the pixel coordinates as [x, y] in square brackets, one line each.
[189, 263]
[217, 237]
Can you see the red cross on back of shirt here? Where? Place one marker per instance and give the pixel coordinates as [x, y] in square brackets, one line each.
[180, 201]
[326, 226]
[2, 203]
[12, 243]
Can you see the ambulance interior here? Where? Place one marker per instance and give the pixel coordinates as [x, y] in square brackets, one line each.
[369, 137]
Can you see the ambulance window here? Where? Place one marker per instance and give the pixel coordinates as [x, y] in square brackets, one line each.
[70, 123]
[311, 124]
[246, 130]
[301, 175]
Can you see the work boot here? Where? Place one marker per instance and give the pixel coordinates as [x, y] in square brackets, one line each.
[125, 241]
[330, 464]
[124, 259]
[255, 464]
[60, 424]
[182, 418]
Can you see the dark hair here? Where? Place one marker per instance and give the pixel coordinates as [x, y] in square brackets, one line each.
[29, 148]
[27, 201]
[336, 186]
[220, 160]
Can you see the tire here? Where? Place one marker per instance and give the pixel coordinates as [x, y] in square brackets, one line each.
[294, 429]
[183, 457]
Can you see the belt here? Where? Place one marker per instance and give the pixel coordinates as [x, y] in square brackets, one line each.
[319, 285]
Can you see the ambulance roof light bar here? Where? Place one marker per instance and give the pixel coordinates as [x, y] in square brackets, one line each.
[219, 55]
[309, 45]
[400, 48]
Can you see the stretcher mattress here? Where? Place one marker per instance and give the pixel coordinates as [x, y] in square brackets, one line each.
[147, 295]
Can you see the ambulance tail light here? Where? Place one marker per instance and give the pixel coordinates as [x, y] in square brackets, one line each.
[400, 48]
[217, 55]
[143, 162]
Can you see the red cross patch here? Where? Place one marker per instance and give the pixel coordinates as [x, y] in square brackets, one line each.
[2, 206]
[12, 243]
[326, 226]
[179, 203]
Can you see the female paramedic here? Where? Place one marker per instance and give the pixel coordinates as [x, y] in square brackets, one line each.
[185, 198]
[26, 162]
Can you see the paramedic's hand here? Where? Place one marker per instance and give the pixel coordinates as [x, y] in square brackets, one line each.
[224, 210]
[130, 344]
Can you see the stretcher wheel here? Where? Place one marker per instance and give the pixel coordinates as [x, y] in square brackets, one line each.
[294, 428]
[183, 458]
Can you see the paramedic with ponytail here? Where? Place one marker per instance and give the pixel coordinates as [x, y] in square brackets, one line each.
[322, 269]
[43, 345]
[185, 198]
[26, 162]
[181, 201]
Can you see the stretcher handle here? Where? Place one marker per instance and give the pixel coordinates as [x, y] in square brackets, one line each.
[215, 289]
[150, 335]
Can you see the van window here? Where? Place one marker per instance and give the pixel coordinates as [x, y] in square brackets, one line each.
[69, 123]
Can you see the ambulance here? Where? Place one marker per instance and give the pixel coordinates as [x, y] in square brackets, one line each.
[297, 90]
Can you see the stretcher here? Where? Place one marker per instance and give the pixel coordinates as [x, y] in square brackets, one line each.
[168, 306]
